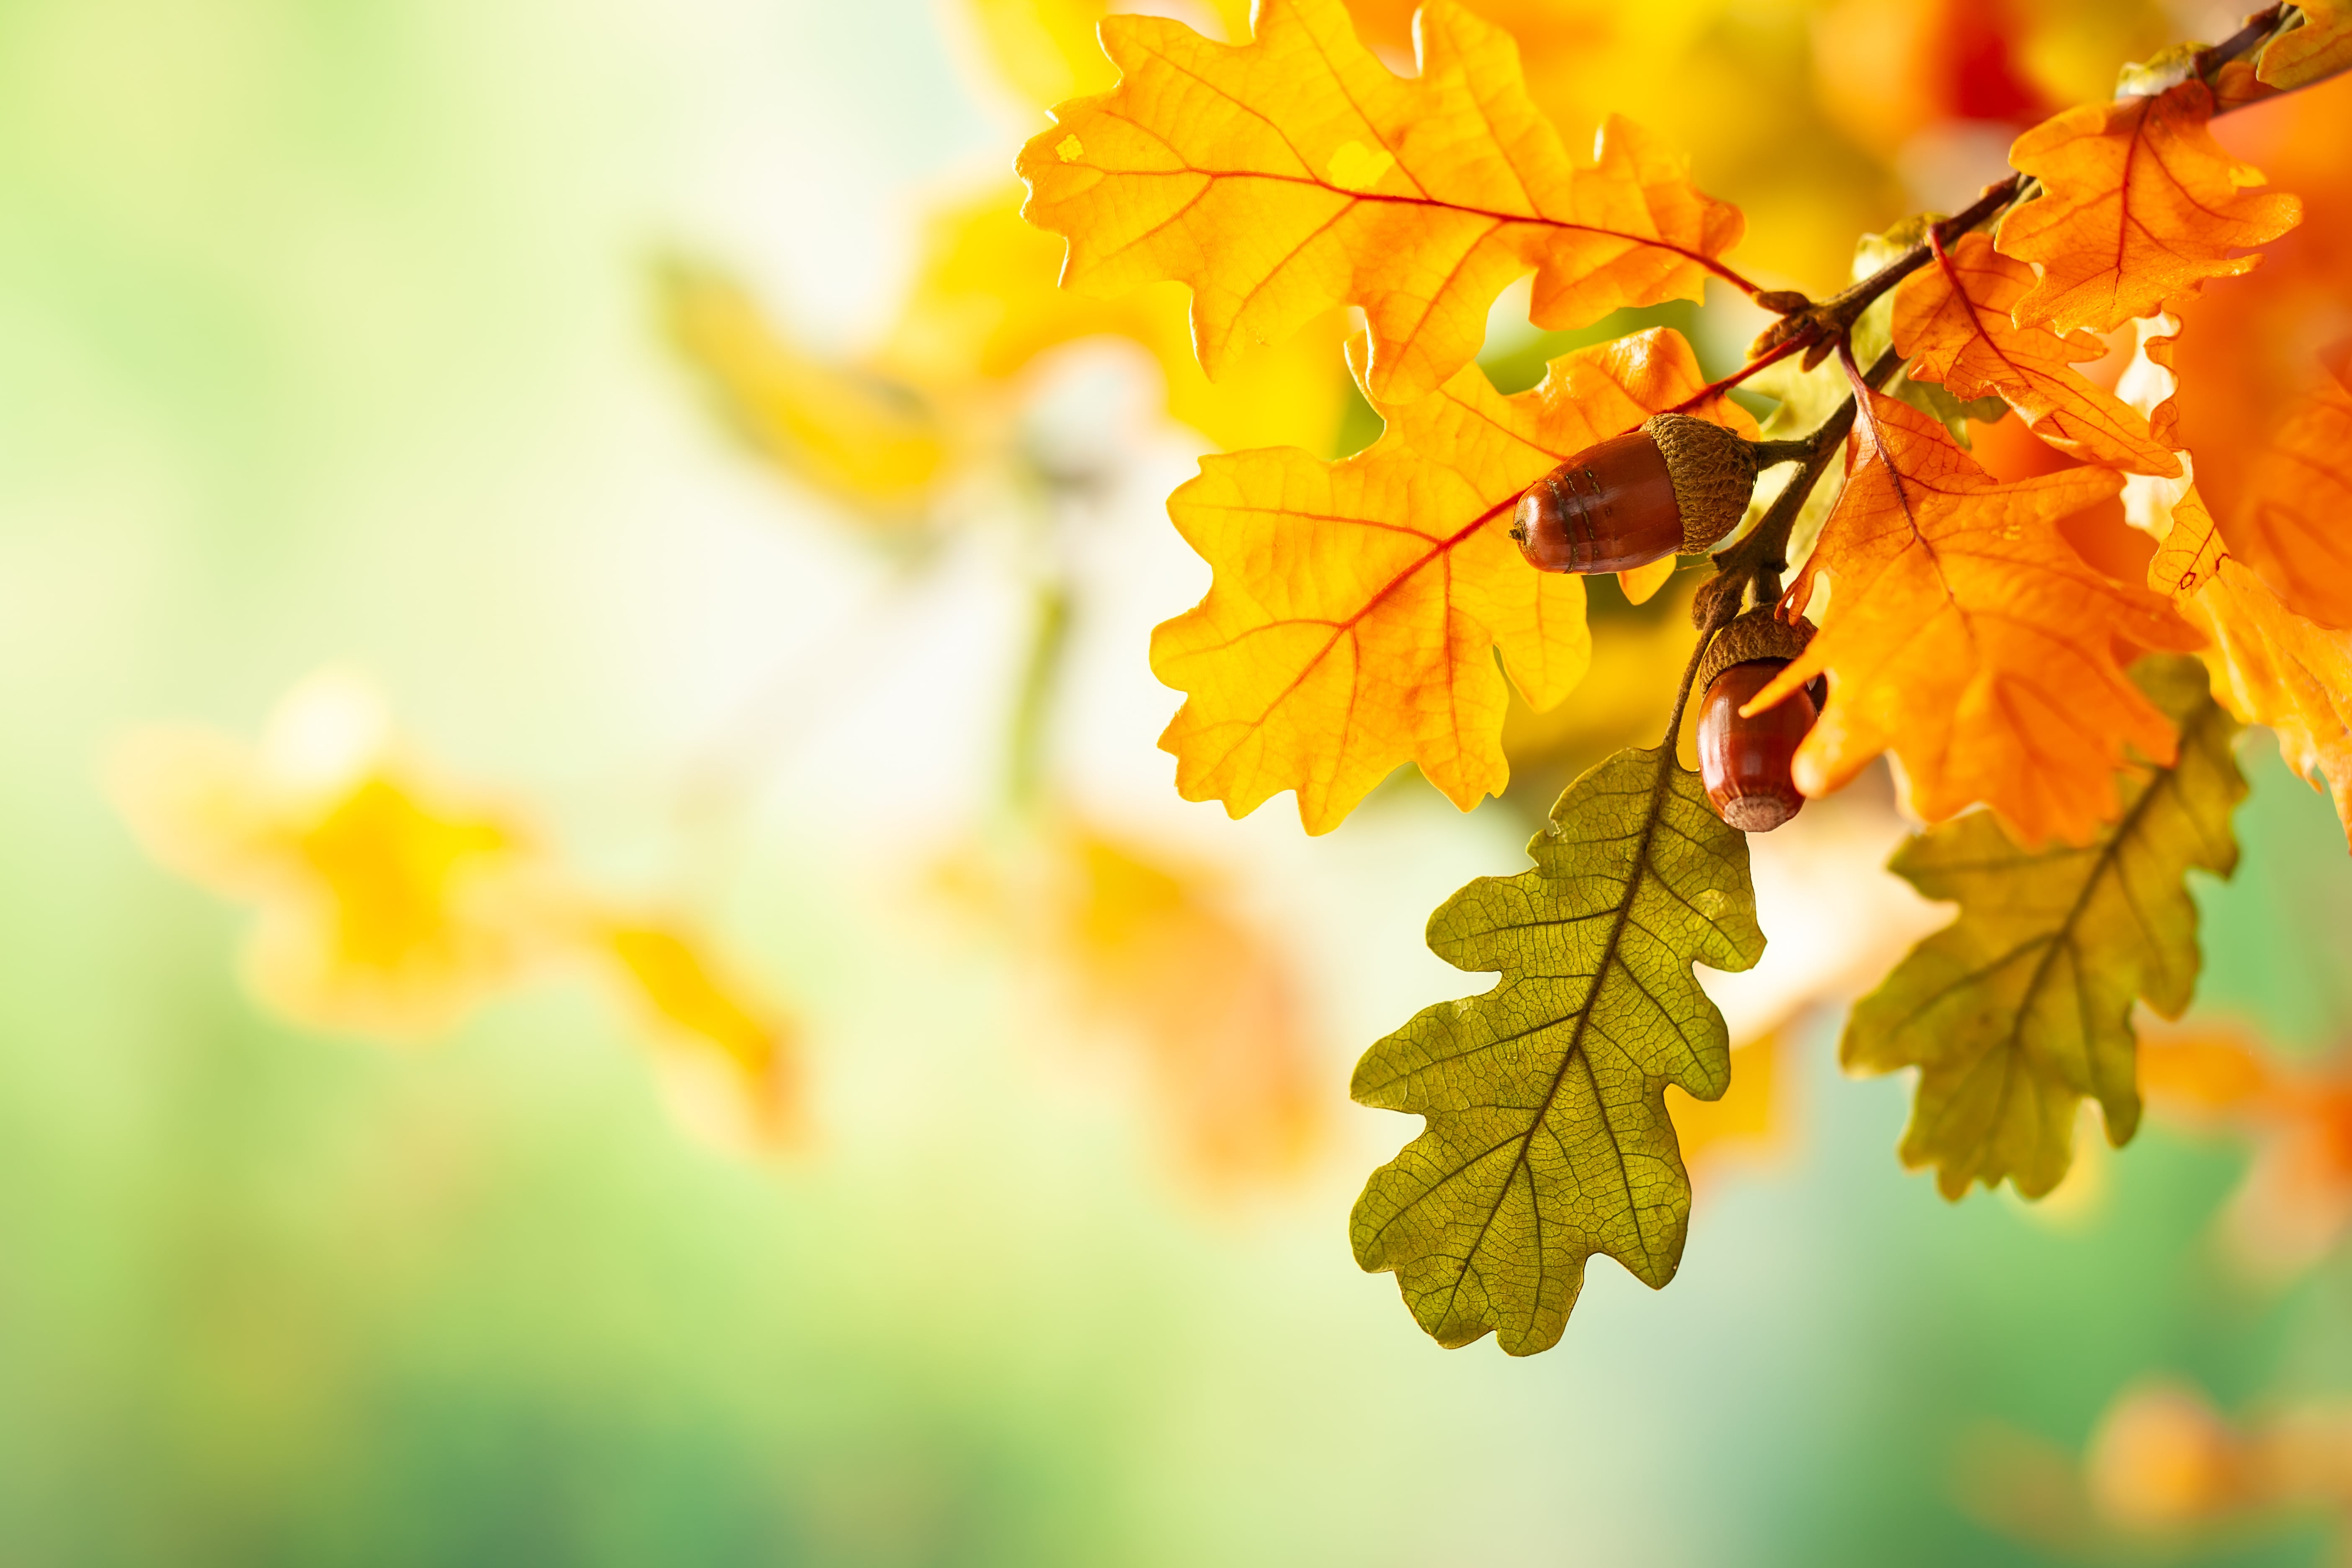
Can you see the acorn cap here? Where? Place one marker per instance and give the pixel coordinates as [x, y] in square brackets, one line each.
[1714, 472]
[1757, 634]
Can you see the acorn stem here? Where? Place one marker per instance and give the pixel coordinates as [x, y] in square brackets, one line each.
[1761, 554]
[1769, 453]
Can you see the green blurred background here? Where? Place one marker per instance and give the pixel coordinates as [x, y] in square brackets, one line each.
[325, 335]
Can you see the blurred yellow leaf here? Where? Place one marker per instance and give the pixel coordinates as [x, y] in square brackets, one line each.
[876, 444]
[734, 1065]
[1746, 1119]
[2295, 1204]
[985, 305]
[387, 905]
[1153, 952]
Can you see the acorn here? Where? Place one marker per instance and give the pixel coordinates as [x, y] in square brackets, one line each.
[1675, 486]
[1744, 761]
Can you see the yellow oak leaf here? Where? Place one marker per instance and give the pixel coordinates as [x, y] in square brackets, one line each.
[1967, 638]
[984, 306]
[387, 904]
[2312, 52]
[1952, 317]
[1356, 606]
[2139, 206]
[732, 1062]
[867, 441]
[1296, 173]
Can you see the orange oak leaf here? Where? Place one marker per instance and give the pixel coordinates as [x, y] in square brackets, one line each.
[1952, 317]
[1967, 638]
[1355, 606]
[1295, 173]
[2290, 526]
[2273, 667]
[2139, 206]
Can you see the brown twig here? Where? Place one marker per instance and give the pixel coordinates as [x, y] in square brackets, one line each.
[1760, 556]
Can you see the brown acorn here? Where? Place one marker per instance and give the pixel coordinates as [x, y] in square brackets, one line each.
[1675, 486]
[1744, 762]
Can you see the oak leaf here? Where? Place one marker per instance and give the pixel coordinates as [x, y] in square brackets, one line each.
[2273, 667]
[2139, 206]
[1296, 173]
[1352, 622]
[1952, 319]
[1966, 636]
[2023, 1006]
[1547, 1138]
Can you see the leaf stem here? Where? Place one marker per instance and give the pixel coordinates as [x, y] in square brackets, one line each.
[1714, 389]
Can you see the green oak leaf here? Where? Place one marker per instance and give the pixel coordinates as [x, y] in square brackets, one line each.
[2023, 1006]
[1547, 1138]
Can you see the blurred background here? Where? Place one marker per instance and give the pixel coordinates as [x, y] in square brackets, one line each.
[602, 967]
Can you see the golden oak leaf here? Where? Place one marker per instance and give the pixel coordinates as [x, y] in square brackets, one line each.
[2139, 206]
[2319, 49]
[1356, 606]
[1952, 317]
[984, 306]
[2291, 526]
[1297, 173]
[1967, 638]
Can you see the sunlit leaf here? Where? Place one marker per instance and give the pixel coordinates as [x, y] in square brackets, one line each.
[1966, 636]
[1297, 173]
[2139, 206]
[2023, 1006]
[1952, 317]
[1357, 607]
[1547, 1138]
